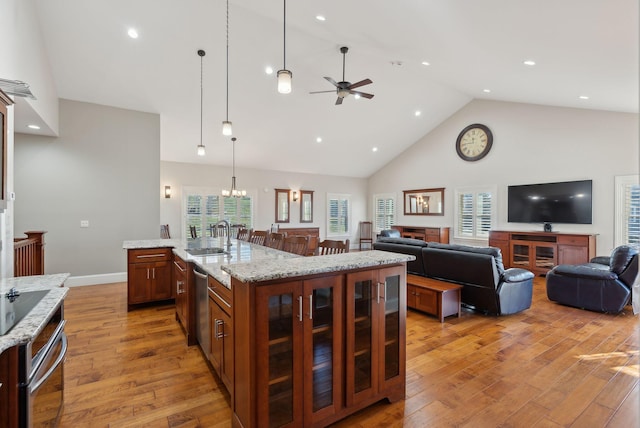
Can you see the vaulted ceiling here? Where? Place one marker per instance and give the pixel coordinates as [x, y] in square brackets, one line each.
[583, 48]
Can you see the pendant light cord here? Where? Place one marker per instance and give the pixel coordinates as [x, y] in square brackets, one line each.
[284, 39]
[227, 60]
[201, 96]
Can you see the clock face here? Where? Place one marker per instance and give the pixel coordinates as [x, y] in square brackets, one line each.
[474, 142]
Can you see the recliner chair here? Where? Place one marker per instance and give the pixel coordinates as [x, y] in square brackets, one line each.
[603, 285]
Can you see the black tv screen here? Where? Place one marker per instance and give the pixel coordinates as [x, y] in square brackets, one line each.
[566, 202]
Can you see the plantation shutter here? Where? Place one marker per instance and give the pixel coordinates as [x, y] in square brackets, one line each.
[465, 217]
[483, 217]
[385, 212]
[338, 215]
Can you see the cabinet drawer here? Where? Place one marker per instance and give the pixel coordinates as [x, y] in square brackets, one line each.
[147, 255]
[220, 294]
[573, 240]
[499, 236]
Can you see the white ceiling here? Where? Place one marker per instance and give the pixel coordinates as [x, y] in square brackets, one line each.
[581, 47]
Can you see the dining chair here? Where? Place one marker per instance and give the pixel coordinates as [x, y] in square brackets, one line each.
[193, 231]
[164, 231]
[258, 236]
[365, 234]
[217, 231]
[296, 244]
[243, 234]
[330, 246]
[276, 240]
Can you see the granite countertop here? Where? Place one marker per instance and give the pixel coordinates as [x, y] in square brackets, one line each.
[274, 269]
[241, 252]
[33, 323]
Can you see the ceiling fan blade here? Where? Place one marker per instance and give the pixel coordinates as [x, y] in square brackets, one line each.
[360, 83]
[333, 82]
[322, 92]
[339, 101]
[362, 94]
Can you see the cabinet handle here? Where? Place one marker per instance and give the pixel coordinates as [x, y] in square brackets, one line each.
[147, 273]
[378, 292]
[310, 306]
[178, 266]
[219, 334]
[300, 308]
[154, 273]
[146, 256]
[215, 329]
[179, 285]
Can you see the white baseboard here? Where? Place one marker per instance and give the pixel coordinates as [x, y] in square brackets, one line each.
[105, 278]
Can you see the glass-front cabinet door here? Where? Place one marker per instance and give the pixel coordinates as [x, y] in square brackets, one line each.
[278, 368]
[322, 319]
[392, 283]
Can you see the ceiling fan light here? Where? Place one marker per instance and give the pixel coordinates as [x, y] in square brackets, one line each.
[284, 81]
[343, 93]
[227, 128]
[201, 150]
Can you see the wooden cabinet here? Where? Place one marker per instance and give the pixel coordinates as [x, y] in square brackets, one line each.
[429, 234]
[149, 275]
[221, 329]
[539, 252]
[183, 289]
[375, 335]
[9, 388]
[310, 351]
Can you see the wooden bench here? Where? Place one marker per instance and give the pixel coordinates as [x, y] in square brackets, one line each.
[433, 296]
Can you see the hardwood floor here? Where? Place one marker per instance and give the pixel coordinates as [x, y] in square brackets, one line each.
[549, 366]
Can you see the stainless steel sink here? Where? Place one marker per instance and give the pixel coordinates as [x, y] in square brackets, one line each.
[205, 251]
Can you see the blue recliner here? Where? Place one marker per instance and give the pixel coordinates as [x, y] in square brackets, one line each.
[604, 285]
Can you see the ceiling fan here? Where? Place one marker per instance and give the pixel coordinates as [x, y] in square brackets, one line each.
[345, 88]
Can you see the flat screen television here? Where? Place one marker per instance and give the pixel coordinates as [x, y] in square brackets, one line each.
[566, 202]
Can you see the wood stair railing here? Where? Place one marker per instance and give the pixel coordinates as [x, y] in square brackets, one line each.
[28, 254]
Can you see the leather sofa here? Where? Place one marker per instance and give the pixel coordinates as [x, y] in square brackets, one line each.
[603, 285]
[487, 286]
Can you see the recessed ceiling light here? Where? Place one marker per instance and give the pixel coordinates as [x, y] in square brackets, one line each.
[529, 62]
[320, 18]
[319, 140]
[268, 70]
[425, 63]
[418, 113]
[583, 97]
[486, 91]
[133, 33]
[33, 127]
[375, 149]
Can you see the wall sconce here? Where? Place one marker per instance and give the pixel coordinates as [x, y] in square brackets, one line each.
[295, 196]
[167, 191]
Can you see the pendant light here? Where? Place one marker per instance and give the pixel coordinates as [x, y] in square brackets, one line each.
[226, 125]
[201, 150]
[234, 192]
[284, 75]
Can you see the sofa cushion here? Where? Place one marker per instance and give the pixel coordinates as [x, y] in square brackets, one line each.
[405, 241]
[390, 233]
[414, 266]
[490, 251]
[620, 258]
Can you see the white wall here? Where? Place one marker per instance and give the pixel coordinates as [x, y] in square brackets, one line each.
[532, 144]
[105, 168]
[261, 184]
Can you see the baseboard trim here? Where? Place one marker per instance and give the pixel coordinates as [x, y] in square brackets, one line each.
[105, 278]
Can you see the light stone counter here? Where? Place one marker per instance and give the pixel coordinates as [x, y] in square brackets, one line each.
[33, 323]
[241, 252]
[274, 269]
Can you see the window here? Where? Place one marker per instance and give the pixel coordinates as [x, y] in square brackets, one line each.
[475, 212]
[627, 211]
[384, 207]
[337, 214]
[203, 207]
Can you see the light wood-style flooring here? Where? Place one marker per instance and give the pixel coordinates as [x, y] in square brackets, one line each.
[549, 366]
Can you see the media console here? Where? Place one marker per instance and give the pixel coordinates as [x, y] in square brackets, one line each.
[539, 252]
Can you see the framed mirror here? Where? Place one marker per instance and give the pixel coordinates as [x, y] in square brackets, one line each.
[306, 206]
[282, 205]
[424, 201]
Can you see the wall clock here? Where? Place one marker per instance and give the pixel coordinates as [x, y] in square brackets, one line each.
[474, 142]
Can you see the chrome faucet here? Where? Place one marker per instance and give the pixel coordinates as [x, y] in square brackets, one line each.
[228, 232]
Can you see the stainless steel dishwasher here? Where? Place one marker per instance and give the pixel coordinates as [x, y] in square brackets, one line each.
[203, 333]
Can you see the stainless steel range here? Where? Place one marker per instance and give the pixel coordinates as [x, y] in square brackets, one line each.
[41, 361]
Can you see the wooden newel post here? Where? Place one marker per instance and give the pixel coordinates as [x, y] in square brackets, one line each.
[38, 258]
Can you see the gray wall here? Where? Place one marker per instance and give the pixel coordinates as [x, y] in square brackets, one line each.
[104, 167]
[532, 144]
